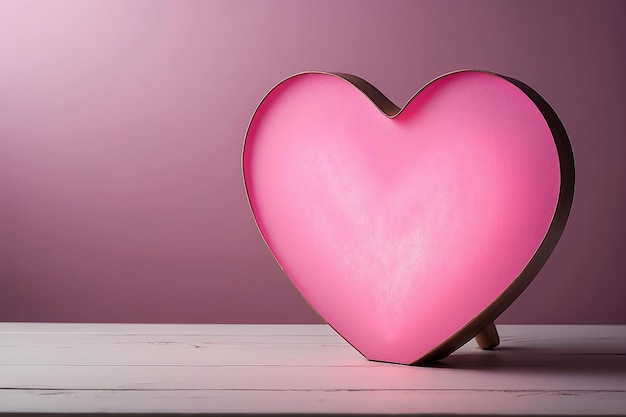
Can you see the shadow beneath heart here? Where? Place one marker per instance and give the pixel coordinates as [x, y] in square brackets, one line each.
[565, 358]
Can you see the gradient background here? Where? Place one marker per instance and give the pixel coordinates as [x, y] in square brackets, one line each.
[122, 122]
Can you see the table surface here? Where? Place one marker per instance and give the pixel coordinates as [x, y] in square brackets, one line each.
[302, 369]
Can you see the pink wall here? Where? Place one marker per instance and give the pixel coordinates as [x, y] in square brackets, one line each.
[121, 127]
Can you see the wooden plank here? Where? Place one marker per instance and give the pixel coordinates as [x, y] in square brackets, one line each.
[169, 329]
[413, 402]
[380, 378]
[129, 368]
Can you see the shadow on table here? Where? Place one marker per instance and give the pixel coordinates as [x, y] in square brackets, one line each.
[553, 359]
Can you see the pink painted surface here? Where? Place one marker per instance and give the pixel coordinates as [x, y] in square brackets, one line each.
[399, 231]
[121, 128]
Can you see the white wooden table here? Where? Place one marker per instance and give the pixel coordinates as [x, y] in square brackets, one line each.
[272, 369]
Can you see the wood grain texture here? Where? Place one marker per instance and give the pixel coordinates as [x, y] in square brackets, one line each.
[302, 369]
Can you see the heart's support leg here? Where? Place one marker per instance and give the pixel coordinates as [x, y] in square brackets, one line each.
[488, 337]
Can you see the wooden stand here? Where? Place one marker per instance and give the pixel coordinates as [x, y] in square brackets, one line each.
[488, 337]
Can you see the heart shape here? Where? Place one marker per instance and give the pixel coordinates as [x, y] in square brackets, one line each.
[408, 230]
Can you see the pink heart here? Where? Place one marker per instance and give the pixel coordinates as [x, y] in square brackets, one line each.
[408, 231]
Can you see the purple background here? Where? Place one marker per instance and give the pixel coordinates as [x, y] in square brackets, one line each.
[121, 128]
